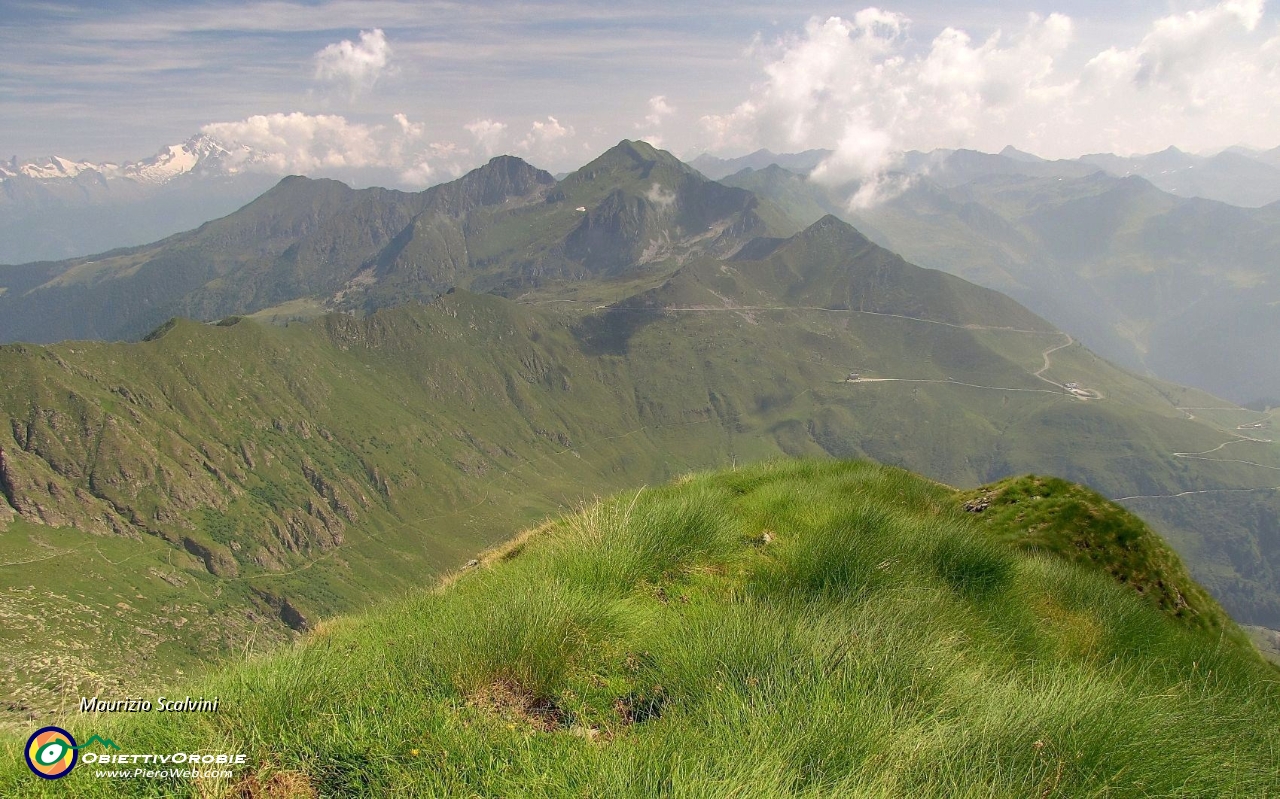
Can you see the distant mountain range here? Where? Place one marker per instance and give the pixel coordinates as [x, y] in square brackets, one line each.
[1238, 176]
[1187, 289]
[200, 154]
[56, 208]
[716, 168]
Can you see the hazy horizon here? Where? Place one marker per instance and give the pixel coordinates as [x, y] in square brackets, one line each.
[426, 92]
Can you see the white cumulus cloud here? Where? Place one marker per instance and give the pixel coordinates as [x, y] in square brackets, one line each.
[548, 140]
[300, 142]
[1209, 66]
[355, 66]
[490, 135]
[543, 133]
[862, 85]
[659, 109]
[400, 151]
[411, 130]
[309, 144]
[418, 175]
[651, 126]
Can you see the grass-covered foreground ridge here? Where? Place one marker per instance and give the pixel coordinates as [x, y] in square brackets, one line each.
[796, 629]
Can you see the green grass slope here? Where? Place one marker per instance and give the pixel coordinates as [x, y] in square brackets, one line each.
[1048, 514]
[793, 629]
[226, 483]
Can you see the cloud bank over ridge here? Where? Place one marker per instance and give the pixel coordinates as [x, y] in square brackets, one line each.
[422, 94]
[1202, 79]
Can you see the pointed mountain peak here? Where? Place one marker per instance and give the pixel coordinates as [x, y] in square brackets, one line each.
[503, 178]
[1169, 158]
[1019, 155]
[291, 196]
[298, 188]
[636, 149]
[506, 163]
[291, 186]
[632, 155]
[635, 168]
[510, 169]
[302, 181]
[830, 234]
[832, 228]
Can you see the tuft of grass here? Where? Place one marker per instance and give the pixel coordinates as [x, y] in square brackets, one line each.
[519, 631]
[971, 564]
[848, 558]
[646, 537]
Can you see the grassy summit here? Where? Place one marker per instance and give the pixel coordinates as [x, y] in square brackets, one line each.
[795, 629]
[1048, 514]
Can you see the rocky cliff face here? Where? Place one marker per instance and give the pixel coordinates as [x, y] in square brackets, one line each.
[661, 209]
[137, 464]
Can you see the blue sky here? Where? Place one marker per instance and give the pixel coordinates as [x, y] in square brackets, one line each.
[558, 81]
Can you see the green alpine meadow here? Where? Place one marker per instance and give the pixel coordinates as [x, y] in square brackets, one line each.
[796, 628]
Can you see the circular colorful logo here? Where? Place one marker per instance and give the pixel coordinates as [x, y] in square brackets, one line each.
[51, 752]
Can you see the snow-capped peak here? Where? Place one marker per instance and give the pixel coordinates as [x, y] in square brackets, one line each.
[200, 153]
[197, 154]
[50, 168]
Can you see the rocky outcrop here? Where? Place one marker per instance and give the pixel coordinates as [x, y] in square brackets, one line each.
[7, 512]
[217, 558]
[32, 490]
[289, 613]
[336, 500]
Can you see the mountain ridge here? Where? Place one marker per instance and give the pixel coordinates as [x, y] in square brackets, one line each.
[504, 226]
[289, 465]
[1147, 278]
